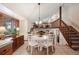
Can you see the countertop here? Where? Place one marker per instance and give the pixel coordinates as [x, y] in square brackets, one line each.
[6, 41]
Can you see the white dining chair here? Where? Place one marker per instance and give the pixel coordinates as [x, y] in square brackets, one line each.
[32, 43]
[49, 42]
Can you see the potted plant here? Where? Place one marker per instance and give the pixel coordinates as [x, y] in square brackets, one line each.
[14, 32]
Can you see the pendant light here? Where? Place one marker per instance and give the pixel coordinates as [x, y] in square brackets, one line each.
[39, 21]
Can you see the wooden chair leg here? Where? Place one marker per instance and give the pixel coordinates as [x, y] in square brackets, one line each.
[52, 49]
[47, 51]
[38, 48]
[28, 47]
[31, 49]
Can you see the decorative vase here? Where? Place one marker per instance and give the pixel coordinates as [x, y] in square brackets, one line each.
[14, 35]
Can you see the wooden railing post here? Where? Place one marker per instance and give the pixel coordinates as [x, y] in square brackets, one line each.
[60, 16]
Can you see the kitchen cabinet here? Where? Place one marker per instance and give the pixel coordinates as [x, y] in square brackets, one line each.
[17, 42]
[6, 50]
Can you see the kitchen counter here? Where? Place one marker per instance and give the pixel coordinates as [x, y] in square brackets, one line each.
[6, 41]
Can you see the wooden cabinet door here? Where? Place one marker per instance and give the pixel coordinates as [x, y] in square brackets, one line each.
[20, 41]
[17, 42]
[6, 50]
[14, 44]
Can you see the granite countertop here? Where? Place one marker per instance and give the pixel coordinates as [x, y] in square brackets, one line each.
[6, 41]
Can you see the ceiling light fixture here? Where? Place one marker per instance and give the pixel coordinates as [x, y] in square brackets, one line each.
[39, 21]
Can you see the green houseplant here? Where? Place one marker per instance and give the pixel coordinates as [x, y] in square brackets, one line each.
[14, 32]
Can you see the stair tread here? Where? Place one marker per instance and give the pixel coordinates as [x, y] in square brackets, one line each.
[75, 41]
[74, 35]
[74, 38]
[77, 36]
[75, 46]
[72, 32]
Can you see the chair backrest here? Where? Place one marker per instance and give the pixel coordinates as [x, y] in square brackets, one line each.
[50, 40]
[51, 36]
[30, 38]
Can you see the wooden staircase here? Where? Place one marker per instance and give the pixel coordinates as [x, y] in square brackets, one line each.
[70, 34]
[74, 38]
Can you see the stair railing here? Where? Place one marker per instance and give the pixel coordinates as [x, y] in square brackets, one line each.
[66, 32]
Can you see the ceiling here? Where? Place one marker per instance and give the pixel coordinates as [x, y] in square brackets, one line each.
[30, 11]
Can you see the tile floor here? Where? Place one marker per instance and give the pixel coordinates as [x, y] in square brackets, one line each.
[59, 50]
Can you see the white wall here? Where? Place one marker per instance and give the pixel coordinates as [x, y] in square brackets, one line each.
[62, 40]
[24, 28]
[71, 14]
[30, 25]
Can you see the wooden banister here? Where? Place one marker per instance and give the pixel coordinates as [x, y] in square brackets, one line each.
[66, 31]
